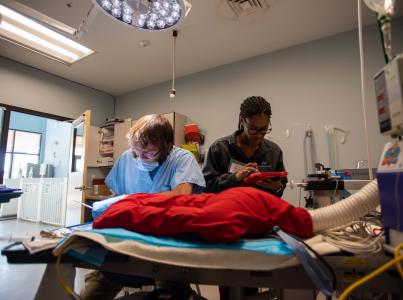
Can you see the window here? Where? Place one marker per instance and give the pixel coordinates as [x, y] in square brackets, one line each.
[22, 148]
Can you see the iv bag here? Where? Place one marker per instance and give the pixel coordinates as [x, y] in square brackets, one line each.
[382, 7]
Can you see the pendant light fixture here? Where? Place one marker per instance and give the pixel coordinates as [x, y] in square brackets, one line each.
[172, 94]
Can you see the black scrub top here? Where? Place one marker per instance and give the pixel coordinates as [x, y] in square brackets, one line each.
[223, 155]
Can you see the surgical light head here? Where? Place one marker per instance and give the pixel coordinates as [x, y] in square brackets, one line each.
[151, 15]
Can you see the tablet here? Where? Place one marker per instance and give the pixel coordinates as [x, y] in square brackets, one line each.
[256, 177]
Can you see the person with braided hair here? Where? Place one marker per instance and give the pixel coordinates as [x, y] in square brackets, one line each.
[232, 158]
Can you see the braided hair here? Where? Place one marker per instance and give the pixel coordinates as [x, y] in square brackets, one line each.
[254, 105]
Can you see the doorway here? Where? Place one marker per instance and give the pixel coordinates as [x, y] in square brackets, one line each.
[34, 157]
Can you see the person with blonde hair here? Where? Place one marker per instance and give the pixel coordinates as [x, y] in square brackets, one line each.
[152, 164]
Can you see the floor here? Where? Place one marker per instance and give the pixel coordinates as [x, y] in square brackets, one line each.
[19, 282]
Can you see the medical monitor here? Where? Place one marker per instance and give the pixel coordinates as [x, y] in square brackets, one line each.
[389, 99]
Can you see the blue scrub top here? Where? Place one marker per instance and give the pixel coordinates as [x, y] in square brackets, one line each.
[179, 167]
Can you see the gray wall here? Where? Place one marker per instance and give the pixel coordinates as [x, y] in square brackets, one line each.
[316, 83]
[30, 88]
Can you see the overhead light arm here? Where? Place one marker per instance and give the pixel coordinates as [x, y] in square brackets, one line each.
[85, 24]
[172, 94]
[188, 7]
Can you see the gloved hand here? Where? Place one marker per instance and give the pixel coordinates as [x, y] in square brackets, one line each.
[100, 206]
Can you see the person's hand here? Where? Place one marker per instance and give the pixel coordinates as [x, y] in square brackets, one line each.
[245, 171]
[272, 185]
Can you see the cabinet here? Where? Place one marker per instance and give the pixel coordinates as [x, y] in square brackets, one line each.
[92, 160]
[177, 121]
[107, 143]
[121, 143]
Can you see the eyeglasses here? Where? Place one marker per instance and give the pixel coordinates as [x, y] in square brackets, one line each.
[148, 154]
[255, 131]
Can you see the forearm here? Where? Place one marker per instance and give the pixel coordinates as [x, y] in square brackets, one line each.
[222, 182]
[181, 189]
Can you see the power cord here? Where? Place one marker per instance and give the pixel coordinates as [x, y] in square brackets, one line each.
[323, 261]
[332, 200]
[357, 237]
[69, 291]
[312, 268]
[397, 254]
[396, 261]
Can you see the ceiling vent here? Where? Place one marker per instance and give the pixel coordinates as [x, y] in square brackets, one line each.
[247, 7]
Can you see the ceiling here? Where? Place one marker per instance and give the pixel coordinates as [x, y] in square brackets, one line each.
[209, 37]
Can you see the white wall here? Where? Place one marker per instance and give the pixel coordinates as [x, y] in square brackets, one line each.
[316, 83]
[30, 88]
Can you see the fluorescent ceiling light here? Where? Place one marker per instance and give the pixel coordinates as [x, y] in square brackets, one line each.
[30, 34]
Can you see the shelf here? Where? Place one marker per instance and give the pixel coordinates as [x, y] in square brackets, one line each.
[104, 164]
[108, 140]
[97, 197]
[107, 126]
[106, 153]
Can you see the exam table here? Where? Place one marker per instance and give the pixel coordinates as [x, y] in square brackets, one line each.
[235, 268]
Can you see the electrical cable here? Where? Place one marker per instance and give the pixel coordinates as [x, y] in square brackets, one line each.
[356, 237]
[362, 69]
[305, 257]
[397, 202]
[399, 265]
[373, 274]
[69, 291]
[332, 200]
[323, 261]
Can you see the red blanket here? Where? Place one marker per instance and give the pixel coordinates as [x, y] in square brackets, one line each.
[222, 217]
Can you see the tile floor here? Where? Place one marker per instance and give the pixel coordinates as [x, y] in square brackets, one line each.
[19, 282]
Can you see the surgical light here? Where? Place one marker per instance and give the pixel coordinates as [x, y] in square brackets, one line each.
[25, 32]
[146, 14]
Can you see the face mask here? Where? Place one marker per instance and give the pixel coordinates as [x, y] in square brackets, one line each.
[146, 166]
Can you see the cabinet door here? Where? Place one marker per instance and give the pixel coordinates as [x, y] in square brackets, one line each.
[93, 155]
[170, 117]
[179, 133]
[177, 121]
[120, 143]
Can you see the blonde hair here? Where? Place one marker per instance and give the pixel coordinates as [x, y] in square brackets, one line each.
[152, 129]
